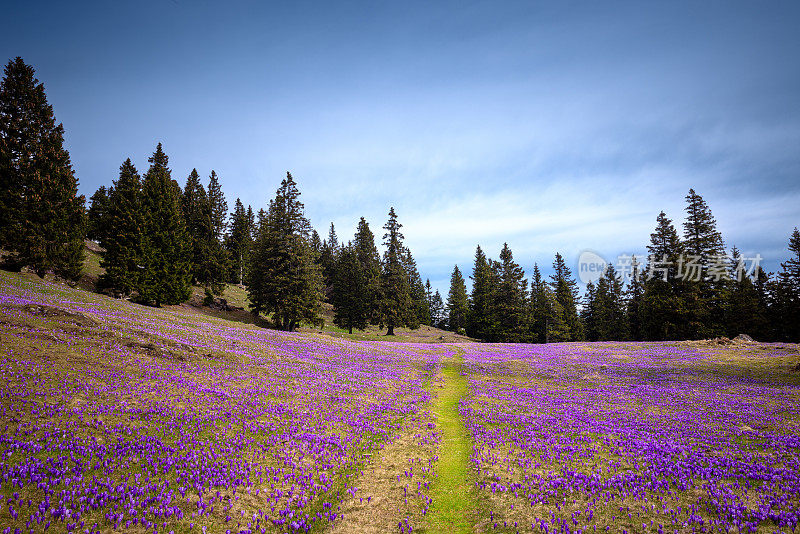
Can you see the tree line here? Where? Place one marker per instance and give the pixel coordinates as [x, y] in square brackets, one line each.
[159, 239]
[688, 289]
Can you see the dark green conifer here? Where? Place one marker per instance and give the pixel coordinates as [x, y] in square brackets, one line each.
[96, 214]
[609, 306]
[539, 308]
[284, 280]
[239, 242]
[396, 307]
[478, 324]
[219, 207]
[787, 294]
[416, 291]
[122, 259]
[745, 313]
[166, 248]
[370, 262]
[635, 294]
[349, 296]
[704, 298]
[457, 303]
[565, 290]
[588, 313]
[42, 222]
[510, 299]
[663, 312]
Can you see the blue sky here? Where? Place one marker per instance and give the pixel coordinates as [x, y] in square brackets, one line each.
[557, 126]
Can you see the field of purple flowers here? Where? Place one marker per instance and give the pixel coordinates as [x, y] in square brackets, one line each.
[118, 417]
[636, 437]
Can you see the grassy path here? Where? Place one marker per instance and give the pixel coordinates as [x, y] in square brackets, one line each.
[452, 492]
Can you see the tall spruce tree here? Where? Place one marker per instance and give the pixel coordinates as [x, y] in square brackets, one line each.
[510, 299]
[565, 291]
[633, 308]
[539, 308]
[557, 330]
[349, 296]
[396, 307]
[197, 217]
[429, 300]
[478, 323]
[166, 249]
[209, 257]
[787, 293]
[328, 258]
[438, 311]
[704, 297]
[122, 241]
[370, 262]
[663, 306]
[43, 219]
[588, 313]
[219, 207]
[95, 216]
[284, 280]
[764, 285]
[744, 311]
[316, 244]
[239, 243]
[610, 307]
[457, 302]
[416, 291]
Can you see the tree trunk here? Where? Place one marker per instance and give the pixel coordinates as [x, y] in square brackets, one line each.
[351, 329]
[390, 330]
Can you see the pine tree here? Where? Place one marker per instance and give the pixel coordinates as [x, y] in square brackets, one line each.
[478, 324]
[95, 216]
[610, 307]
[197, 217]
[239, 242]
[763, 285]
[328, 258]
[316, 245]
[43, 218]
[284, 280]
[663, 314]
[166, 250]
[429, 300]
[370, 262]
[565, 290]
[493, 317]
[635, 294]
[396, 307]
[457, 303]
[588, 313]
[122, 239]
[539, 313]
[209, 257]
[744, 311]
[438, 312]
[349, 296]
[416, 291]
[510, 298]
[219, 207]
[787, 293]
[705, 297]
[557, 330]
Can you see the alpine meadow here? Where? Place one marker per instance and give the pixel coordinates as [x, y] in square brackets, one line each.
[212, 320]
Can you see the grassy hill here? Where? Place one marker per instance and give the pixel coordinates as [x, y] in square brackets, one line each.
[236, 298]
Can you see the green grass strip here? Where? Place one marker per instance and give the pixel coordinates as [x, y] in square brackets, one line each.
[453, 499]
